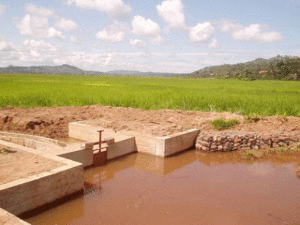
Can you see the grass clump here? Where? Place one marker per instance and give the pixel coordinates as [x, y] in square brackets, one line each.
[252, 118]
[221, 124]
[5, 151]
[252, 154]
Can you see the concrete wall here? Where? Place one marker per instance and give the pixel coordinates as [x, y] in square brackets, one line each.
[146, 143]
[168, 145]
[82, 131]
[84, 156]
[75, 152]
[180, 141]
[18, 137]
[154, 145]
[29, 193]
[123, 144]
[9, 219]
[120, 148]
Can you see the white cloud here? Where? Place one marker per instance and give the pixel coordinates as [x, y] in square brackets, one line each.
[201, 32]
[36, 23]
[112, 34]
[214, 44]
[83, 59]
[66, 24]
[34, 53]
[40, 45]
[255, 33]
[75, 39]
[105, 61]
[148, 28]
[6, 46]
[2, 8]
[24, 26]
[37, 52]
[114, 8]
[251, 33]
[138, 43]
[38, 27]
[228, 26]
[172, 12]
[53, 33]
[34, 10]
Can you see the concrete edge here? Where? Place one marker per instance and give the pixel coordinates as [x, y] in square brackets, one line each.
[34, 137]
[7, 218]
[69, 175]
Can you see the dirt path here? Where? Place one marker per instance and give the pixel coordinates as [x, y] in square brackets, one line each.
[53, 122]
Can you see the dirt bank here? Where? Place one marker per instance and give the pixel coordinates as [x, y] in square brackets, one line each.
[53, 122]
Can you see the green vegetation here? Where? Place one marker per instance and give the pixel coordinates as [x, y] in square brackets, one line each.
[5, 151]
[252, 118]
[257, 97]
[277, 68]
[266, 153]
[221, 124]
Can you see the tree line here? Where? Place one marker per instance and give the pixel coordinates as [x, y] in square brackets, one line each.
[277, 68]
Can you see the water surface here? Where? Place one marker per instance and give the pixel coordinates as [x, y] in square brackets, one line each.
[191, 188]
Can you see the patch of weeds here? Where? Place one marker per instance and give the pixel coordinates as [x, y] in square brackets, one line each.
[270, 152]
[5, 151]
[212, 108]
[252, 154]
[283, 151]
[221, 124]
[283, 118]
[252, 118]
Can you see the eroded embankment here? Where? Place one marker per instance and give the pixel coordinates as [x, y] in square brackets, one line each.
[53, 122]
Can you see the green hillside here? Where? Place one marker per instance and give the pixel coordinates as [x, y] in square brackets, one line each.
[277, 68]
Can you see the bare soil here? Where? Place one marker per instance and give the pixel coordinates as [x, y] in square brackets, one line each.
[19, 164]
[53, 122]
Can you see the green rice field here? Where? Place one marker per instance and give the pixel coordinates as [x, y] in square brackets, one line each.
[245, 97]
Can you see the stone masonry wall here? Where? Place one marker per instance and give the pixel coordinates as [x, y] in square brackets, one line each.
[237, 140]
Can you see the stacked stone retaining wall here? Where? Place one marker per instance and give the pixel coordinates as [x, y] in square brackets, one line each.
[234, 141]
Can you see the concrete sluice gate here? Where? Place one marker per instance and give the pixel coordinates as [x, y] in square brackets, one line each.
[93, 146]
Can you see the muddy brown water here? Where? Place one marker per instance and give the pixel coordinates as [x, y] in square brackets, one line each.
[190, 188]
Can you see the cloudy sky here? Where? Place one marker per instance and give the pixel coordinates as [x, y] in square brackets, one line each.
[178, 36]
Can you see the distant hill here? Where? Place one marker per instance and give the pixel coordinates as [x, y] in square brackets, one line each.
[138, 73]
[279, 67]
[72, 70]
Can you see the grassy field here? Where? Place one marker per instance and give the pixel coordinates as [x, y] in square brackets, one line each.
[246, 97]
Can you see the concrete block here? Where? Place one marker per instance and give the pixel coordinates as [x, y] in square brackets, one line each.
[84, 156]
[168, 145]
[34, 191]
[10, 219]
[82, 131]
[122, 147]
[154, 145]
[180, 141]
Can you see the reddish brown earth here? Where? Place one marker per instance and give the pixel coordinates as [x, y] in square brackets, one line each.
[53, 122]
[12, 165]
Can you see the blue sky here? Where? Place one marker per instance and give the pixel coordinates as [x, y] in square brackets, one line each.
[178, 36]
